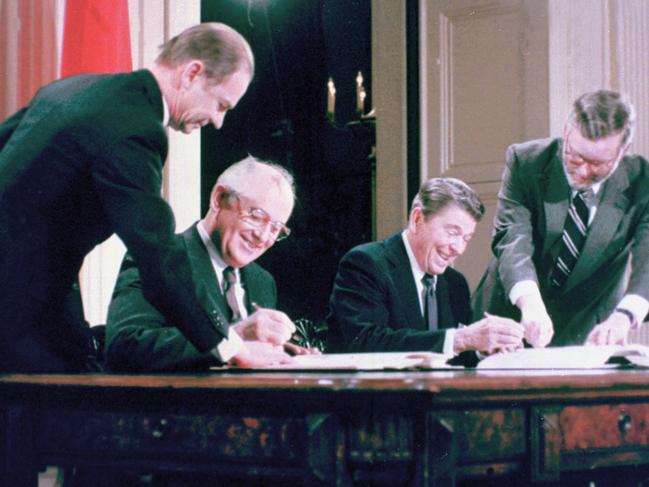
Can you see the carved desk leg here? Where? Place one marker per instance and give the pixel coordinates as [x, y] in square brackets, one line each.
[546, 444]
[17, 468]
[443, 455]
[327, 462]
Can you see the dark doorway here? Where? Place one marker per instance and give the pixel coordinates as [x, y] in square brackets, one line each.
[298, 46]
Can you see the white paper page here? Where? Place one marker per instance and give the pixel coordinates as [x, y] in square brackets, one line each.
[365, 361]
[575, 357]
[571, 357]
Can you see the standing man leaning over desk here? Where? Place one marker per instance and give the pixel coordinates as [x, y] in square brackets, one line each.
[249, 207]
[571, 236]
[399, 294]
[83, 161]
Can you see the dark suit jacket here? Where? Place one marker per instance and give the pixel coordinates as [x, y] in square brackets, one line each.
[82, 161]
[374, 305]
[532, 206]
[139, 338]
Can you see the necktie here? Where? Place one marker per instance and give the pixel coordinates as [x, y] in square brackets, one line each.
[430, 302]
[230, 293]
[573, 238]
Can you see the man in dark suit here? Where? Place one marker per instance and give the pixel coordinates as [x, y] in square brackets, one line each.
[249, 207]
[572, 278]
[399, 294]
[83, 161]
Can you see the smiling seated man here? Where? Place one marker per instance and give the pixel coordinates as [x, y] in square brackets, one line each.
[399, 294]
[249, 207]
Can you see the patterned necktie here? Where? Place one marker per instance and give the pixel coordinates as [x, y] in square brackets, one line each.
[573, 238]
[230, 293]
[430, 302]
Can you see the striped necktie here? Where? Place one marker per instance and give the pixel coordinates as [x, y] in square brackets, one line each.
[573, 238]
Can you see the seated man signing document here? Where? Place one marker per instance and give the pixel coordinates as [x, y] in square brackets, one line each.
[249, 207]
[399, 294]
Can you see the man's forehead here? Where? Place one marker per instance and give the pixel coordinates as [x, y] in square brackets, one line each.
[267, 194]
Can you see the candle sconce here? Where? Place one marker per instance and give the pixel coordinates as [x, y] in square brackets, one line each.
[361, 97]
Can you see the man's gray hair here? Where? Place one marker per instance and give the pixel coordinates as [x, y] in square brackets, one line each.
[238, 174]
[220, 48]
[438, 193]
[602, 113]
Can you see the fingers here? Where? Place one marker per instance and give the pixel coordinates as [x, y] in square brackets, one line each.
[607, 335]
[293, 349]
[490, 334]
[538, 333]
[256, 354]
[266, 325]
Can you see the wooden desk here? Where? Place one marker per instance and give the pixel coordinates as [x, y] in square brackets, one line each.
[393, 428]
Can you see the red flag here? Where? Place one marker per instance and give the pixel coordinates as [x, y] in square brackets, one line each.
[96, 38]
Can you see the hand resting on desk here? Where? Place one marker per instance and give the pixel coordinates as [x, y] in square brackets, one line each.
[255, 354]
[612, 331]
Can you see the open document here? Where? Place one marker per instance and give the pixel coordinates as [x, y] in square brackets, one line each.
[365, 361]
[571, 357]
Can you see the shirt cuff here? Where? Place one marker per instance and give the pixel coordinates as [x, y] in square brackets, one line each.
[637, 305]
[228, 347]
[524, 288]
[449, 339]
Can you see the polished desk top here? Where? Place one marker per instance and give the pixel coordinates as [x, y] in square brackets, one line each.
[443, 385]
[534, 424]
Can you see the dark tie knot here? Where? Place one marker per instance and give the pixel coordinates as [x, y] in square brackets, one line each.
[230, 276]
[587, 196]
[428, 281]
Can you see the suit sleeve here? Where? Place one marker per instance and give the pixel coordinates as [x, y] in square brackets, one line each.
[513, 242]
[139, 338]
[9, 125]
[364, 316]
[639, 278]
[128, 179]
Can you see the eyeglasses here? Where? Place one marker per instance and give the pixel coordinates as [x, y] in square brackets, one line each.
[575, 159]
[260, 219]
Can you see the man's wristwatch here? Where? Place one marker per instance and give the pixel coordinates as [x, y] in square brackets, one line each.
[628, 314]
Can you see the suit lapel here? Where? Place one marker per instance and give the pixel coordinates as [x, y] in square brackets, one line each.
[255, 291]
[404, 281]
[444, 311]
[207, 286]
[556, 200]
[610, 212]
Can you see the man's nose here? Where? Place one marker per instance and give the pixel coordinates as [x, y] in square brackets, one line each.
[586, 170]
[457, 246]
[264, 233]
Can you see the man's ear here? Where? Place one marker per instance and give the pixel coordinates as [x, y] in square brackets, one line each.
[216, 197]
[190, 73]
[415, 219]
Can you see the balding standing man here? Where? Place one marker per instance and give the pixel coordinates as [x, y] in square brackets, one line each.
[83, 161]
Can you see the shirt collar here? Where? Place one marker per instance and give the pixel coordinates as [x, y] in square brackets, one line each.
[417, 271]
[212, 251]
[165, 112]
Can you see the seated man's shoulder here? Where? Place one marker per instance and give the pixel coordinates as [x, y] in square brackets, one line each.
[255, 271]
[454, 276]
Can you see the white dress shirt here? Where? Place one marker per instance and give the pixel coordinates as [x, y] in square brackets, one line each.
[418, 274]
